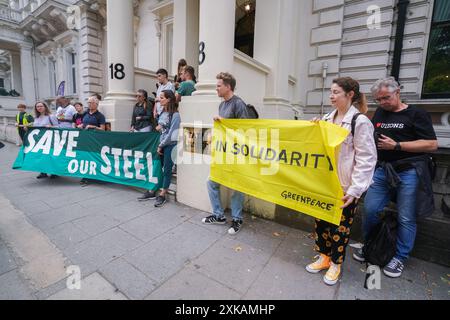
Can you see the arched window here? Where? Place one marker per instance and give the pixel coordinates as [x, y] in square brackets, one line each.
[244, 34]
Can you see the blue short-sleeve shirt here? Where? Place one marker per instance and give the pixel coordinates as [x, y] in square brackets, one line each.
[95, 119]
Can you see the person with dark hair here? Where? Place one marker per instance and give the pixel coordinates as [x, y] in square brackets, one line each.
[355, 167]
[187, 87]
[232, 107]
[164, 84]
[142, 117]
[44, 118]
[168, 125]
[78, 117]
[178, 77]
[65, 112]
[23, 121]
[404, 136]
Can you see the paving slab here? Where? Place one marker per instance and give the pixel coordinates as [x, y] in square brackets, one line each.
[55, 217]
[152, 225]
[232, 263]
[93, 287]
[97, 223]
[129, 210]
[129, 280]
[31, 207]
[43, 264]
[7, 262]
[95, 252]
[286, 281]
[13, 287]
[191, 285]
[164, 256]
[66, 235]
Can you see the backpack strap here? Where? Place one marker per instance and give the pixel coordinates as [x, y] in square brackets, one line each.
[50, 120]
[252, 109]
[354, 122]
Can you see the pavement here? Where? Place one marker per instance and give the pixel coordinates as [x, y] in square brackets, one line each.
[59, 240]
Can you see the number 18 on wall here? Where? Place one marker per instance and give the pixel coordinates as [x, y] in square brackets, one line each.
[117, 71]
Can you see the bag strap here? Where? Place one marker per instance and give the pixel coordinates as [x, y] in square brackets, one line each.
[354, 122]
[50, 119]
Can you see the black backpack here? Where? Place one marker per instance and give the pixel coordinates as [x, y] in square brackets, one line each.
[251, 110]
[381, 244]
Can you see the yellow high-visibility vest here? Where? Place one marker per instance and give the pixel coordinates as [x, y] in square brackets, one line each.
[25, 118]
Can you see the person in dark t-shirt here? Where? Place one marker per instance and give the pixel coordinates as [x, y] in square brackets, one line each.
[92, 120]
[78, 117]
[402, 134]
[232, 107]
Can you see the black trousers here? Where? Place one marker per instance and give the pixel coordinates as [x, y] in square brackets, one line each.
[22, 133]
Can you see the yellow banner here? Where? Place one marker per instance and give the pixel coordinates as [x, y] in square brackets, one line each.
[290, 163]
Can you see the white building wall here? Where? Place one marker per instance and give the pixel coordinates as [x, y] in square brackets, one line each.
[365, 48]
[251, 79]
[304, 52]
[148, 42]
[42, 69]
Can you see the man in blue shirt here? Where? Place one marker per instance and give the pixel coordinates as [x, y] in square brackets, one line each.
[93, 119]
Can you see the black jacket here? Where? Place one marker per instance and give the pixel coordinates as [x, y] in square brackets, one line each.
[424, 167]
[146, 117]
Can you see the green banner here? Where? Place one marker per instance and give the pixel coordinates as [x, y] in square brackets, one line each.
[117, 157]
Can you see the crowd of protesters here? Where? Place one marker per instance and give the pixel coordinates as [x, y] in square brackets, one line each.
[149, 115]
[381, 158]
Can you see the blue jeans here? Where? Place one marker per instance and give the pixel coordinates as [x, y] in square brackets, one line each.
[378, 196]
[167, 166]
[237, 201]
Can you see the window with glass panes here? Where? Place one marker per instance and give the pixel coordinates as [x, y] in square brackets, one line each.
[73, 72]
[437, 69]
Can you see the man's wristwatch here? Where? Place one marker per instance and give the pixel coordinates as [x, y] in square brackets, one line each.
[398, 147]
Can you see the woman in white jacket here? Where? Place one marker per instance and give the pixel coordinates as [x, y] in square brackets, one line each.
[356, 164]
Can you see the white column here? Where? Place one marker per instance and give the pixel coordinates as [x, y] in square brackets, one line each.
[185, 32]
[274, 21]
[216, 25]
[16, 76]
[61, 67]
[26, 63]
[119, 100]
[217, 21]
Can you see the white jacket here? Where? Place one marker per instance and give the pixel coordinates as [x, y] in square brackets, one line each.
[358, 155]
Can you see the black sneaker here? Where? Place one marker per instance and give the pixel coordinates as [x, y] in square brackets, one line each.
[148, 195]
[213, 220]
[235, 227]
[358, 255]
[160, 200]
[42, 175]
[394, 268]
[84, 182]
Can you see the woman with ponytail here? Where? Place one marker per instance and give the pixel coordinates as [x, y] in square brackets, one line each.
[356, 165]
[142, 117]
